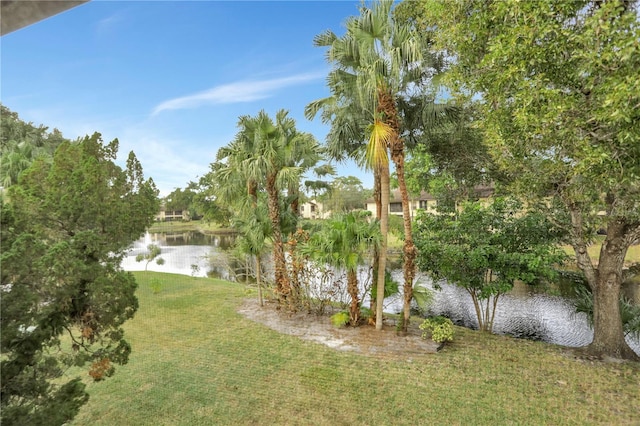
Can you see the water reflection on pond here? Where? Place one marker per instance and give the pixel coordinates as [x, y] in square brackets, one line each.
[522, 313]
[186, 253]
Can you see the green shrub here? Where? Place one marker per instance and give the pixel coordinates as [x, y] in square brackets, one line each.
[156, 285]
[440, 328]
[340, 319]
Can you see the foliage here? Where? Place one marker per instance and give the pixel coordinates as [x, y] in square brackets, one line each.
[207, 204]
[320, 187]
[153, 254]
[65, 231]
[185, 200]
[156, 286]
[260, 171]
[322, 288]
[375, 65]
[423, 296]
[340, 319]
[195, 269]
[450, 160]
[396, 225]
[345, 194]
[345, 241]
[391, 286]
[21, 144]
[440, 328]
[485, 249]
[557, 87]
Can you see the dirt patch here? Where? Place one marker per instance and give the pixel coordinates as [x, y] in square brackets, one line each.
[364, 339]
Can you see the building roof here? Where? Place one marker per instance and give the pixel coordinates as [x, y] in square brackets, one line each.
[16, 14]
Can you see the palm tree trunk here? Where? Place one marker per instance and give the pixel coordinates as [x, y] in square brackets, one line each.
[354, 308]
[259, 280]
[294, 194]
[384, 229]
[409, 248]
[376, 253]
[388, 106]
[282, 281]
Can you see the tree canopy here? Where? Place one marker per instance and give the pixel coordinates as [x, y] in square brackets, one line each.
[558, 91]
[21, 143]
[485, 249]
[66, 226]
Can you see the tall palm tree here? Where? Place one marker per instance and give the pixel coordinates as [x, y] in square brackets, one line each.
[344, 241]
[268, 156]
[375, 63]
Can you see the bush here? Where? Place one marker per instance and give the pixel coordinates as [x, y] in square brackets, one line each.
[340, 319]
[155, 285]
[440, 328]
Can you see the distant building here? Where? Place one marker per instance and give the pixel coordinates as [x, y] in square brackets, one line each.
[424, 201]
[172, 215]
[313, 209]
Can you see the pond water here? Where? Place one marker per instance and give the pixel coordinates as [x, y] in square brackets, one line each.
[185, 253]
[520, 313]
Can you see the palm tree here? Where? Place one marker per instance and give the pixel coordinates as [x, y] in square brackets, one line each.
[375, 63]
[235, 187]
[16, 159]
[344, 241]
[254, 231]
[271, 156]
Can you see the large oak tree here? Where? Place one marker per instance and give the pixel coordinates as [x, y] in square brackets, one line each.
[558, 85]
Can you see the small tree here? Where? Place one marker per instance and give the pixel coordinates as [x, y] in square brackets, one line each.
[344, 242]
[485, 249]
[153, 253]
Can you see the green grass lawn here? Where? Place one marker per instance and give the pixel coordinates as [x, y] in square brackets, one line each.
[633, 253]
[195, 361]
[192, 225]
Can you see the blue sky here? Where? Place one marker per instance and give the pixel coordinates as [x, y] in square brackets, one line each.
[169, 79]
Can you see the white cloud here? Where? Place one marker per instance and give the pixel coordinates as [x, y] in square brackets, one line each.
[111, 23]
[241, 91]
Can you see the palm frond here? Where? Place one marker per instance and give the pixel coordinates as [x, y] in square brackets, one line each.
[379, 136]
[312, 108]
[324, 39]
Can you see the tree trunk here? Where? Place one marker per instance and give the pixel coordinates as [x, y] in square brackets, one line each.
[294, 193]
[384, 229]
[376, 253]
[608, 334]
[282, 280]
[352, 288]
[409, 249]
[387, 105]
[259, 280]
